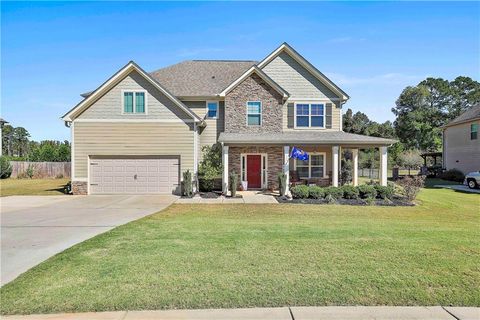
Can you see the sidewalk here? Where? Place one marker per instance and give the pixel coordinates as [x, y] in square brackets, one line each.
[246, 197]
[285, 313]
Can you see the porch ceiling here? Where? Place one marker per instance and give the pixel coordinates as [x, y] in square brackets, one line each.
[304, 137]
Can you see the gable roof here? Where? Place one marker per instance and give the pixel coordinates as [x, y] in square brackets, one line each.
[285, 47]
[471, 114]
[112, 81]
[261, 74]
[200, 78]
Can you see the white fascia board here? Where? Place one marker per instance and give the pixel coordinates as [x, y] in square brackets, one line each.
[307, 65]
[262, 75]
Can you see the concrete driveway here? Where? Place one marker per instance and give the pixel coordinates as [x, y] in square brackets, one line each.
[34, 228]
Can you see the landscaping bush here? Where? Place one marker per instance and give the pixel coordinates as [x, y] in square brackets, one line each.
[233, 183]
[206, 184]
[346, 172]
[384, 192]
[282, 183]
[411, 186]
[350, 192]
[30, 171]
[334, 192]
[210, 167]
[453, 175]
[5, 168]
[187, 187]
[300, 192]
[367, 191]
[316, 192]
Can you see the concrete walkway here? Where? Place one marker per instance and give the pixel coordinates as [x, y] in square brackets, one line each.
[34, 228]
[285, 313]
[458, 187]
[256, 197]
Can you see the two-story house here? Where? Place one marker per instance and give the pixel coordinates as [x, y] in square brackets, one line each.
[139, 131]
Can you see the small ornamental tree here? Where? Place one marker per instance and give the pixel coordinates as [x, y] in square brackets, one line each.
[233, 183]
[410, 160]
[210, 167]
[5, 168]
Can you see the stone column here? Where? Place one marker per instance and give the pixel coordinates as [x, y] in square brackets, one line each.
[383, 166]
[355, 167]
[225, 169]
[335, 157]
[286, 165]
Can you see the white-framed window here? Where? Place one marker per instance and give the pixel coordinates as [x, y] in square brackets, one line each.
[310, 115]
[254, 113]
[134, 102]
[212, 109]
[314, 167]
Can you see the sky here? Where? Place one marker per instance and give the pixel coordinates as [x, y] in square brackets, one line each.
[53, 51]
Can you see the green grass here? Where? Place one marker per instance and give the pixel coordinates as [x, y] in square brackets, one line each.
[23, 187]
[225, 256]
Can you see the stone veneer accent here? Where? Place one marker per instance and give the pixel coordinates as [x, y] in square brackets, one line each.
[274, 161]
[79, 187]
[253, 88]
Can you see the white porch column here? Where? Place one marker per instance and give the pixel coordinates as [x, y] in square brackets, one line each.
[355, 167]
[286, 163]
[383, 166]
[225, 169]
[335, 158]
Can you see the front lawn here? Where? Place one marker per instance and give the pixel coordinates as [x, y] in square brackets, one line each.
[223, 256]
[23, 187]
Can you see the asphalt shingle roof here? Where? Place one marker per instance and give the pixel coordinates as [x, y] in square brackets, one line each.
[200, 77]
[304, 137]
[470, 114]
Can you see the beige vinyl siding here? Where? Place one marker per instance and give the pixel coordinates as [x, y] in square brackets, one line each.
[460, 151]
[295, 79]
[336, 115]
[208, 135]
[131, 138]
[110, 105]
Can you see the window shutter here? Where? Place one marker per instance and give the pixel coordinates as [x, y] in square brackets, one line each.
[328, 116]
[290, 115]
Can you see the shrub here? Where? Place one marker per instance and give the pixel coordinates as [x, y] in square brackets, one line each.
[5, 168]
[330, 199]
[346, 172]
[210, 167]
[206, 184]
[367, 191]
[334, 192]
[453, 175]
[350, 192]
[59, 176]
[233, 183]
[187, 186]
[282, 183]
[384, 192]
[411, 186]
[316, 192]
[300, 192]
[30, 171]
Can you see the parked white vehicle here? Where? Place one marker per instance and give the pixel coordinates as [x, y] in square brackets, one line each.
[472, 179]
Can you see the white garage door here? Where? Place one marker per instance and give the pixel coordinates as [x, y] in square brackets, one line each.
[133, 175]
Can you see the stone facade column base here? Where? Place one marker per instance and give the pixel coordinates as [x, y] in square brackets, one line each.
[79, 187]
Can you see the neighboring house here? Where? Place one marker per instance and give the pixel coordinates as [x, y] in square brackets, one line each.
[139, 131]
[461, 144]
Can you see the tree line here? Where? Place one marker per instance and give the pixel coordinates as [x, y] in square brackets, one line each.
[16, 145]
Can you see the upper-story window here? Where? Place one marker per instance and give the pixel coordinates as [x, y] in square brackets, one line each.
[133, 102]
[474, 131]
[254, 113]
[310, 115]
[212, 109]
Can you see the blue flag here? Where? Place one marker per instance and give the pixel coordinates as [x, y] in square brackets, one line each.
[299, 154]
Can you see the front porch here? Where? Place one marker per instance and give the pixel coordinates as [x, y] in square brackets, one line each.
[258, 164]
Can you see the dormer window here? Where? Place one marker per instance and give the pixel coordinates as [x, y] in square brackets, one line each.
[134, 102]
[212, 109]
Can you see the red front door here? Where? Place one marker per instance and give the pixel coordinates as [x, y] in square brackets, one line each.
[254, 171]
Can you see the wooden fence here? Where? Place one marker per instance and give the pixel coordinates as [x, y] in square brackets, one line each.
[41, 169]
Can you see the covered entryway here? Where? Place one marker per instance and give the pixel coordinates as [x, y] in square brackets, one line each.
[134, 175]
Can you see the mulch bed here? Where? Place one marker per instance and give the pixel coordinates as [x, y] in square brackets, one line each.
[396, 201]
[209, 195]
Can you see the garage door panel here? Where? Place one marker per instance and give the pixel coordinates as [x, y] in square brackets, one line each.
[134, 176]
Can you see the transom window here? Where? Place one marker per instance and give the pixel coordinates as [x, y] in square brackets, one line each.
[314, 167]
[212, 109]
[310, 115]
[134, 102]
[474, 131]
[254, 113]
